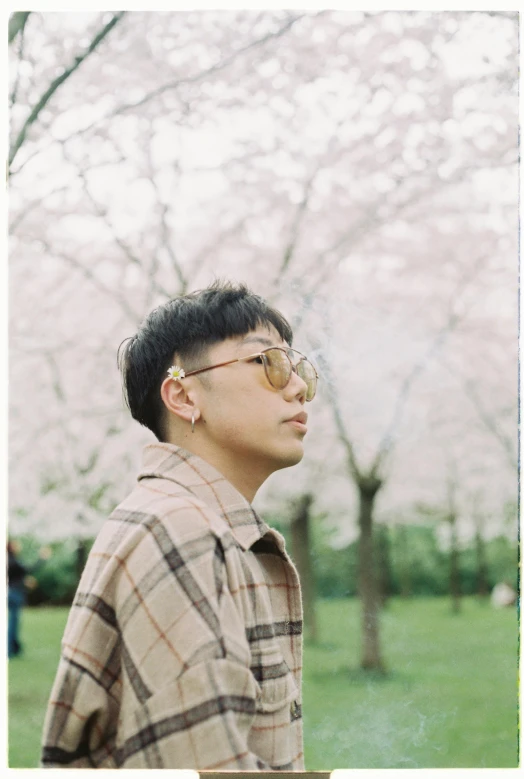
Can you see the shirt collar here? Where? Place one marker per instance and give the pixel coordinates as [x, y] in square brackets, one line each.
[167, 461]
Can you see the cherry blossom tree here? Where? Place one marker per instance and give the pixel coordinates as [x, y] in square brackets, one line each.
[356, 168]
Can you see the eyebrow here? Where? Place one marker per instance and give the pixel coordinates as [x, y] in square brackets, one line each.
[252, 339]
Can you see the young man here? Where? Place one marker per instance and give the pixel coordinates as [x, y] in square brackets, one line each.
[183, 648]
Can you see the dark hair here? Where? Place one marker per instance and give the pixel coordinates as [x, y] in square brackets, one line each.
[186, 326]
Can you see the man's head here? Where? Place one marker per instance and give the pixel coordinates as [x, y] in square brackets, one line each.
[240, 418]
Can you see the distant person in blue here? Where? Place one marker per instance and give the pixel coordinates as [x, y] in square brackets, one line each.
[19, 578]
[16, 574]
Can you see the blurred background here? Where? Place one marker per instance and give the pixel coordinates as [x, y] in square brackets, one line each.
[360, 171]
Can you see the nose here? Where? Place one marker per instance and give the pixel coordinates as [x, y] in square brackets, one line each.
[297, 387]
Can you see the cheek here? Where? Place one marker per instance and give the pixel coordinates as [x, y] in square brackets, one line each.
[245, 413]
[225, 412]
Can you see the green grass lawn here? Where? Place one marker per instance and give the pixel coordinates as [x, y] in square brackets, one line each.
[29, 683]
[448, 700]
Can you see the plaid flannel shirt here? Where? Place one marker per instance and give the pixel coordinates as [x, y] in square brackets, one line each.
[183, 648]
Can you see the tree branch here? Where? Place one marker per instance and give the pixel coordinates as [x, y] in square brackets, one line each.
[295, 229]
[370, 221]
[211, 70]
[90, 276]
[122, 245]
[52, 88]
[14, 91]
[17, 22]
[389, 438]
[166, 239]
[488, 420]
[302, 208]
[171, 85]
[511, 15]
[56, 381]
[337, 413]
[31, 205]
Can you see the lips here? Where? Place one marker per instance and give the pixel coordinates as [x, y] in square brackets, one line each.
[302, 418]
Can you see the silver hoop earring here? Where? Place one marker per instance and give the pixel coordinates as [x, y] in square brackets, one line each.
[193, 422]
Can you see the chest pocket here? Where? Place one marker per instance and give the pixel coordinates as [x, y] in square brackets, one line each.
[277, 685]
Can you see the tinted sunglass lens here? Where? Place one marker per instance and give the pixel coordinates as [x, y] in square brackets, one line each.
[307, 373]
[278, 368]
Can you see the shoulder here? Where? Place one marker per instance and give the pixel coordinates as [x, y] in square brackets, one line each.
[158, 506]
[155, 536]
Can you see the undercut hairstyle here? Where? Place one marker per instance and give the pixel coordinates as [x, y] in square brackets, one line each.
[187, 326]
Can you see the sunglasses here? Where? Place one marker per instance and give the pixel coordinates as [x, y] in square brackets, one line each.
[279, 364]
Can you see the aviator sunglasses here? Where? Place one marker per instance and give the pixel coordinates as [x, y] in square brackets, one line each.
[279, 364]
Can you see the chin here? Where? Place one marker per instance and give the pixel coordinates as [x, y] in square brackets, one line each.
[291, 458]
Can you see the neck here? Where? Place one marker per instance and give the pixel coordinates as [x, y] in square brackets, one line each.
[245, 476]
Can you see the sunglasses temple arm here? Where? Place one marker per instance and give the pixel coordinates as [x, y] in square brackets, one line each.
[210, 368]
[221, 364]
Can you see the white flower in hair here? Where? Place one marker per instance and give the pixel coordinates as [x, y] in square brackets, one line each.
[175, 372]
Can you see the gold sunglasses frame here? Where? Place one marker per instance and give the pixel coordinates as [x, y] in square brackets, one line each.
[262, 354]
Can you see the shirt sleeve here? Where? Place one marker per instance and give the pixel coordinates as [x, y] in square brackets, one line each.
[177, 680]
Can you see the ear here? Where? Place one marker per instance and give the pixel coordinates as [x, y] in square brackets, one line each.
[177, 399]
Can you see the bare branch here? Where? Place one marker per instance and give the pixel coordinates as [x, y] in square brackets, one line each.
[389, 438]
[370, 221]
[14, 91]
[513, 16]
[486, 418]
[52, 88]
[211, 70]
[123, 246]
[55, 373]
[166, 237]
[172, 85]
[17, 22]
[31, 205]
[302, 207]
[90, 276]
[199, 259]
[295, 229]
[168, 246]
[337, 415]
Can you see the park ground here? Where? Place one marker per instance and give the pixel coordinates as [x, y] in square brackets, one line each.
[449, 698]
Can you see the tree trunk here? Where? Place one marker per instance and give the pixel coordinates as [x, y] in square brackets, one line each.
[301, 553]
[454, 569]
[81, 557]
[385, 576]
[404, 562]
[367, 578]
[482, 568]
